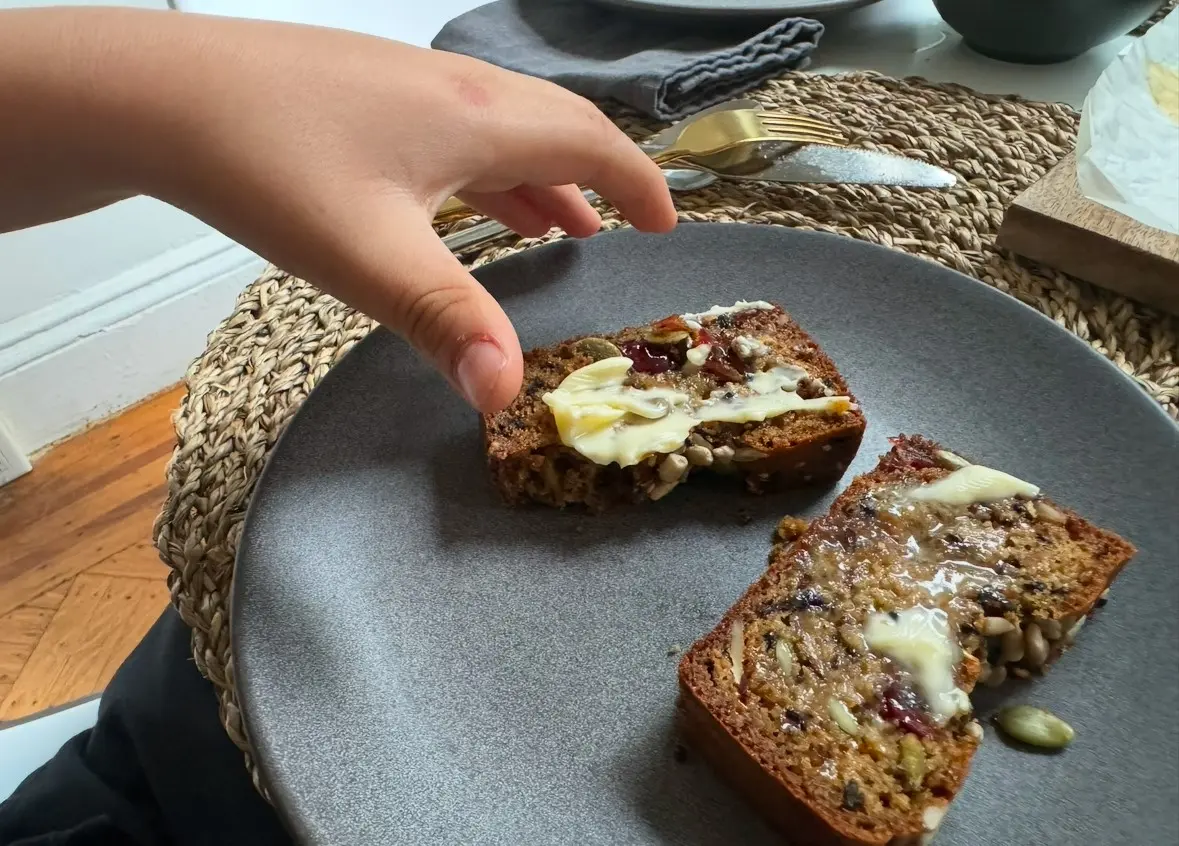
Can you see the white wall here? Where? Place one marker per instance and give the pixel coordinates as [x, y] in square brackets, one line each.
[411, 21]
[105, 309]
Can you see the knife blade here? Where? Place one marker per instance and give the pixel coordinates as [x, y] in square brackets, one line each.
[823, 165]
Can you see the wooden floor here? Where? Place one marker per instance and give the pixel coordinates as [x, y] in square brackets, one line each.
[80, 582]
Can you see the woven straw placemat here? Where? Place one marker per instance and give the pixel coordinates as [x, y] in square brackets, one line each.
[284, 335]
[1165, 9]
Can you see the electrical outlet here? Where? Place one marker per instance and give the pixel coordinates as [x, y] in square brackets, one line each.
[13, 462]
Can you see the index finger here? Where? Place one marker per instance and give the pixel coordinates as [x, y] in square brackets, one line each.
[562, 138]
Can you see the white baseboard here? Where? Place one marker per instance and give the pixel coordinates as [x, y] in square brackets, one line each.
[108, 346]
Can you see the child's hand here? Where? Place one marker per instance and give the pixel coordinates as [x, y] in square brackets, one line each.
[328, 152]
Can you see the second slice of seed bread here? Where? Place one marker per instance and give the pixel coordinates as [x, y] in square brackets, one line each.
[834, 738]
[529, 461]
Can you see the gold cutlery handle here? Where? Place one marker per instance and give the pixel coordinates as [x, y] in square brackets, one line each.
[453, 209]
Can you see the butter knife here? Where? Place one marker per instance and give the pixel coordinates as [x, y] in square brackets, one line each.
[822, 165]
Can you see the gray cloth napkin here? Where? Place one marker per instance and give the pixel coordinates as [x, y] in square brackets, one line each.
[662, 67]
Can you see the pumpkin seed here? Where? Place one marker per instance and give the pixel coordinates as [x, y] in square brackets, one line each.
[951, 461]
[1036, 727]
[597, 348]
[913, 761]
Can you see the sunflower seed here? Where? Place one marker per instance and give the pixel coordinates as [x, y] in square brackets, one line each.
[673, 337]
[723, 454]
[552, 480]
[843, 717]
[1036, 727]
[1012, 644]
[743, 454]
[995, 626]
[661, 489]
[1035, 646]
[933, 815]
[996, 677]
[737, 650]
[1052, 629]
[1071, 635]
[785, 657]
[597, 348]
[1050, 513]
[974, 729]
[673, 468]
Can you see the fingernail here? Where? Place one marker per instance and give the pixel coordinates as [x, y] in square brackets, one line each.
[480, 361]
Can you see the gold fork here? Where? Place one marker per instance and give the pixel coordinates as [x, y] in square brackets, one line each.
[739, 130]
[723, 131]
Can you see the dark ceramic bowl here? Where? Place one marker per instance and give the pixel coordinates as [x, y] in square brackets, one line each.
[1041, 32]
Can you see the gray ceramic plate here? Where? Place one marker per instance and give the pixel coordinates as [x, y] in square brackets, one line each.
[735, 8]
[420, 664]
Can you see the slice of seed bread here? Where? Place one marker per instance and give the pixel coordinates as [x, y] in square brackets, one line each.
[833, 694]
[709, 358]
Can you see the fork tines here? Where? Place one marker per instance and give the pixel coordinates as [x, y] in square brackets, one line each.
[801, 127]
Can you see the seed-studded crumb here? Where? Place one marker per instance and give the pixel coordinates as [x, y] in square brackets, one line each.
[837, 741]
[529, 462]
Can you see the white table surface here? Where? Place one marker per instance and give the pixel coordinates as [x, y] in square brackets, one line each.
[895, 37]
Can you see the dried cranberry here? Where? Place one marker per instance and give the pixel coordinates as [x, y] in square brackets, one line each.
[901, 706]
[912, 455]
[703, 336]
[807, 599]
[994, 602]
[794, 719]
[724, 365]
[649, 357]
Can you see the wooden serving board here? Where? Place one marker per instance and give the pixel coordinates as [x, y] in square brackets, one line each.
[1053, 224]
